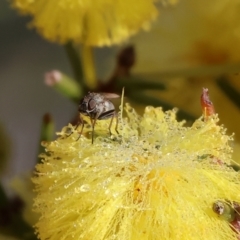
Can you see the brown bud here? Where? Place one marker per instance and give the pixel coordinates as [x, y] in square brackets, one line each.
[207, 105]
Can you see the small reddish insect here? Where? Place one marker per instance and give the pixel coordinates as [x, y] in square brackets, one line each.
[207, 105]
[97, 106]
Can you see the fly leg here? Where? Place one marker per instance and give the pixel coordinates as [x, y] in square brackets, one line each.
[93, 122]
[79, 122]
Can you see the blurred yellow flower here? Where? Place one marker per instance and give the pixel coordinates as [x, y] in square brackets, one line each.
[96, 23]
[23, 186]
[155, 180]
[193, 34]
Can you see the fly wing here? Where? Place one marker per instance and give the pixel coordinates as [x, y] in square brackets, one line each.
[110, 95]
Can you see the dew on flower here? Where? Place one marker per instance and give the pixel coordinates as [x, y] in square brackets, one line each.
[151, 185]
[87, 160]
[85, 188]
[58, 198]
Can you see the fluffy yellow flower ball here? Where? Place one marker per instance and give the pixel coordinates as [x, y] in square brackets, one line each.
[156, 179]
[95, 23]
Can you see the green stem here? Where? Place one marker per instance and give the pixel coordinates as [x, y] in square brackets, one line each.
[47, 132]
[75, 62]
[65, 85]
[3, 197]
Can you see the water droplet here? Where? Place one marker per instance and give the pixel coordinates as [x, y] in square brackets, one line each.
[86, 160]
[85, 188]
[115, 195]
[81, 236]
[58, 198]
[107, 191]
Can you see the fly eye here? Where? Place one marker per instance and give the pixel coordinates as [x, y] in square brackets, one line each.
[91, 104]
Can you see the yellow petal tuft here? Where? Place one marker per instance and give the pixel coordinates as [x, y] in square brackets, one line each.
[156, 180]
[95, 23]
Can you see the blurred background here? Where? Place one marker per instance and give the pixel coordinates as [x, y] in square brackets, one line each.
[190, 46]
[25, 57]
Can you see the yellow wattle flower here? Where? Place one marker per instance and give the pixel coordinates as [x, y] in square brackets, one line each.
[156, 180]
[22, 186]
[96, 23]
[186, 38]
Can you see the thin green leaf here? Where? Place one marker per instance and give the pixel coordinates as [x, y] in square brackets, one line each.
[138, 83]
[229, 90]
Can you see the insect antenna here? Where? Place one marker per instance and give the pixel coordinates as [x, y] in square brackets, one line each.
[93, 122]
